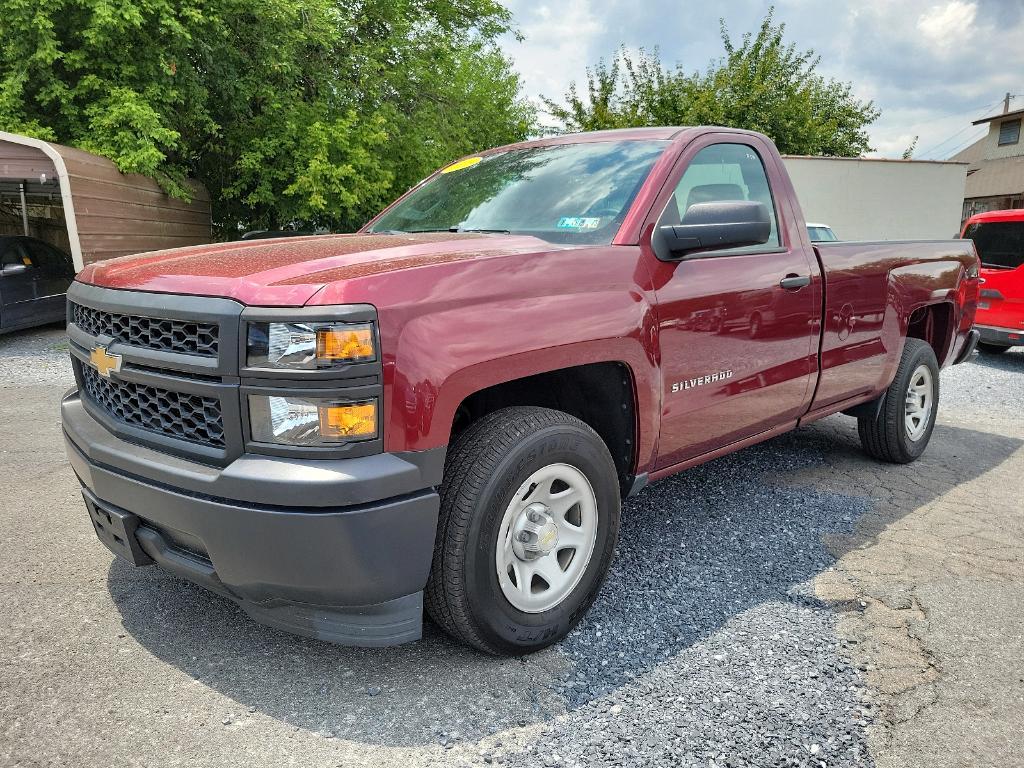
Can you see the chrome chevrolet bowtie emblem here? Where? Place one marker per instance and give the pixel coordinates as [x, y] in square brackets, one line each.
[104, 362]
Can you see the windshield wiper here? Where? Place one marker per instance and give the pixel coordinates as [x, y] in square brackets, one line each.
[484, 231]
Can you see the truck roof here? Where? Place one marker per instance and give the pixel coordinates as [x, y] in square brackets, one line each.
[656, 133]
[615, 134]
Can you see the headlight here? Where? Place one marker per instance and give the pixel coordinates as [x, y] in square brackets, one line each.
[309, 346]
[311, 420]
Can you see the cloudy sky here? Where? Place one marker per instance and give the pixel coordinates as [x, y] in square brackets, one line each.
[931, 66]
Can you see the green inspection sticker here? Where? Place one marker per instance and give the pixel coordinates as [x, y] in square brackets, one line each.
[579, 222]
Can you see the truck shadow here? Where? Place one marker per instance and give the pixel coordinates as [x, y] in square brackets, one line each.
[1012, 360]
[696, 550]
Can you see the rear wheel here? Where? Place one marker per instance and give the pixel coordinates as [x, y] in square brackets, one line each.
[902, 428]
[528, 524]
[992, 349]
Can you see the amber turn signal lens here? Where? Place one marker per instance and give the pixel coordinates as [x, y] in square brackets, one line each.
[354, 343]
[351, 420]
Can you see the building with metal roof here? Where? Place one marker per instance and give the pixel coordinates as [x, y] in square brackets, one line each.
[81, 203]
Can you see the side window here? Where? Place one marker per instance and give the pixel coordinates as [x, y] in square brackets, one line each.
[15, 254]
[50, 261]
[9, 256]
[723, 172]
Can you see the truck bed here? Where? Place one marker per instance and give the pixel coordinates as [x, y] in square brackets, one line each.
[872, 290]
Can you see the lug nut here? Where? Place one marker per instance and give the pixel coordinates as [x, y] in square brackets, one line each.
[524, 536]
[536, 517]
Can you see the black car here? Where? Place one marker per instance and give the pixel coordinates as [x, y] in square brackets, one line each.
[34, 276]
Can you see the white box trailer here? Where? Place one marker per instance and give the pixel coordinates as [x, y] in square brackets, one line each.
[880, 199]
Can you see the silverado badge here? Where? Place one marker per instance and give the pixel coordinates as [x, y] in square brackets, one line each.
[104, 362]
[680, 386]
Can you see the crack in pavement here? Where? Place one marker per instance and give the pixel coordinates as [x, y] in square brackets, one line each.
[914, 596]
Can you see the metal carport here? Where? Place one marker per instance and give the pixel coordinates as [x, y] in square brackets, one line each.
[80, 202]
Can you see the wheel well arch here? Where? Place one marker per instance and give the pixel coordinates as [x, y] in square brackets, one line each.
[933, 324]
[602, 395]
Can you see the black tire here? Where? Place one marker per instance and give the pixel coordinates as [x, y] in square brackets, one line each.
[991, 349]
[485, 467]
[885, 437]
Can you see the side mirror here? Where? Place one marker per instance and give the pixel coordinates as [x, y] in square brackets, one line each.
[13, 269]
[712, 227]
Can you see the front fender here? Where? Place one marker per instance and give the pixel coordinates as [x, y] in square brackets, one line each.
[492, 343]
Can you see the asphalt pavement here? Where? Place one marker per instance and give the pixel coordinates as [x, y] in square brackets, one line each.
[792, 604]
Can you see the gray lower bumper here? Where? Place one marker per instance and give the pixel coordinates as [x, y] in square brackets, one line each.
[351, 571]
[1005, 337]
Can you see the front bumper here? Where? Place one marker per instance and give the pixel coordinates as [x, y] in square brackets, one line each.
[338, 550]
[1004, 337]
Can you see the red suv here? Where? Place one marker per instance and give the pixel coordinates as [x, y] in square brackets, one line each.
[999, 238]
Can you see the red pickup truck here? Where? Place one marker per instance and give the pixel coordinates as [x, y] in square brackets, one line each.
[999, 239]
[448, 407]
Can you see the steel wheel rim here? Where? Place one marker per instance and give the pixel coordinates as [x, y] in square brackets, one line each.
[917, 412]
[559, 498]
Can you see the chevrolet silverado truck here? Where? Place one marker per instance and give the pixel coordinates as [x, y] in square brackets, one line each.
[447, 408]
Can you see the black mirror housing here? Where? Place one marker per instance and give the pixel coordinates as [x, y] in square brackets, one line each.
[714, 226]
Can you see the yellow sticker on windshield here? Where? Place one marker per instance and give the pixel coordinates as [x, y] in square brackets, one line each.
[462, 164]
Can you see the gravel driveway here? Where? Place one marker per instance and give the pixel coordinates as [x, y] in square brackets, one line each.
[792, 604]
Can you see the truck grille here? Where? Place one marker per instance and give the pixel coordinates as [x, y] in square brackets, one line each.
[182, 336]
[180, 415]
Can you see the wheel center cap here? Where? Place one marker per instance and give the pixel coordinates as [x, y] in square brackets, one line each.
[534, 533]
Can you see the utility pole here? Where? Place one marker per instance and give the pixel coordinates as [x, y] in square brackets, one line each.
[24, 208]
[1006, 103]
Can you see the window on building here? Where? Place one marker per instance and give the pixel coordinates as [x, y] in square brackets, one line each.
[1009, 132]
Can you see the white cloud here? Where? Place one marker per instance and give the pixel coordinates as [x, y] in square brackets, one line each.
[931, 66]
[948, 24]
[558, 44]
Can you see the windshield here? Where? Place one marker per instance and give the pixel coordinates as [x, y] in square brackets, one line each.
[999, 243]
[566, 193]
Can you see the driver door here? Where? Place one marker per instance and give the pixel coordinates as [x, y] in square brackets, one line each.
[17, 285]
[738, 328]
[54, 273]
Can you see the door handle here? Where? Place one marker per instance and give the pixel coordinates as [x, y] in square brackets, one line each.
[795, 282]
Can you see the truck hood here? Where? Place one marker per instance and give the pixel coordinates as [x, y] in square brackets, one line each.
[289, 271]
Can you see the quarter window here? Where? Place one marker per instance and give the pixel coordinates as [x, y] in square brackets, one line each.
[722, 172]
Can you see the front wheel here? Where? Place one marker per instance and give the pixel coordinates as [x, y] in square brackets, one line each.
[528, 525]
[901, 430]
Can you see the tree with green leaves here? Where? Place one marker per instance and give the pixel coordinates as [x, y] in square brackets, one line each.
[761, 83]
[314, 112]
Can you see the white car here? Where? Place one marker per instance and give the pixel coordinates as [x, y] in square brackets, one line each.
[821, 233]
